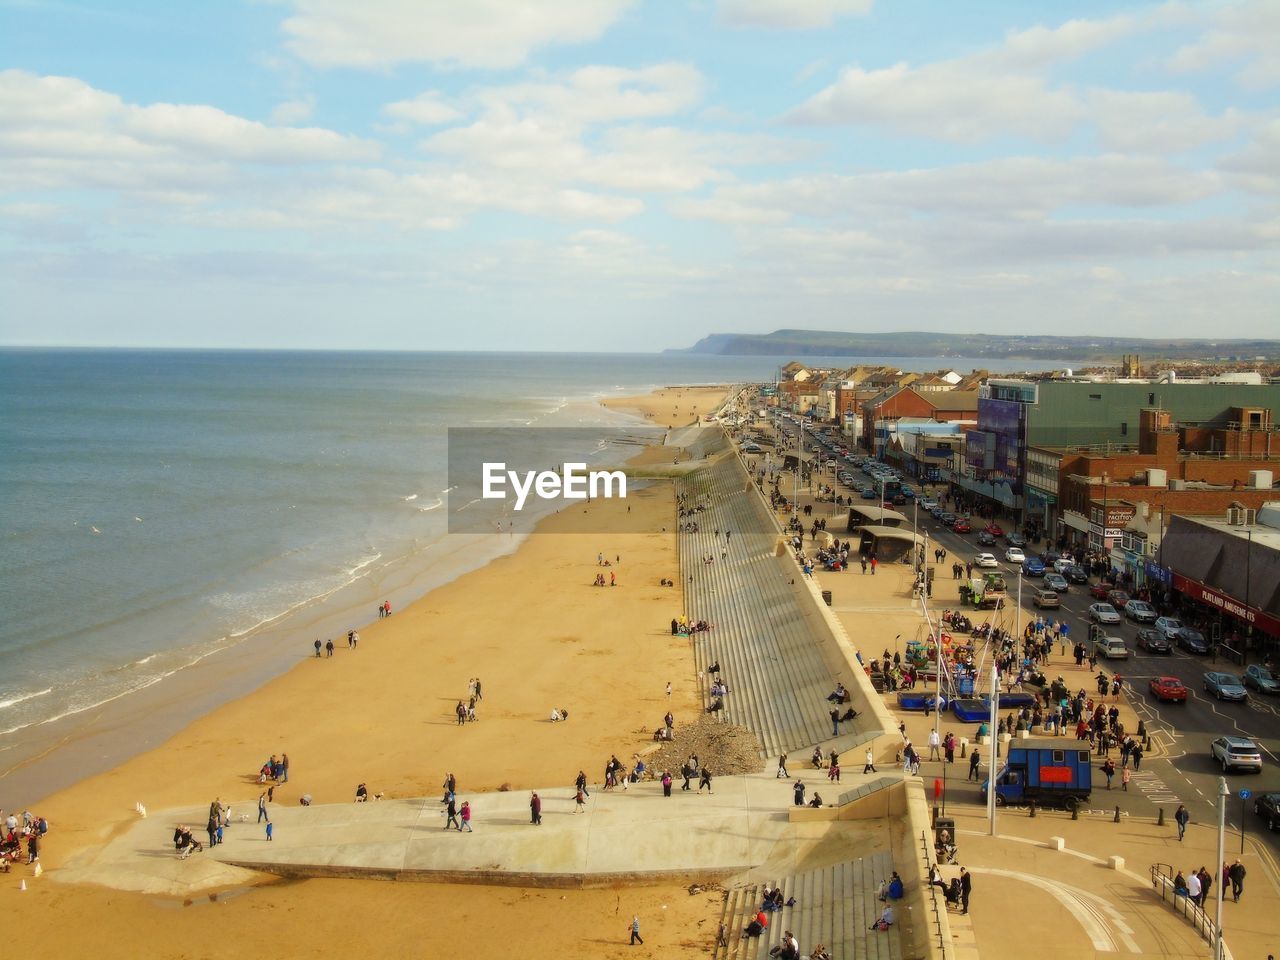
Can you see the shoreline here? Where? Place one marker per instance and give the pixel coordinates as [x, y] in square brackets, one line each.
[46, 757]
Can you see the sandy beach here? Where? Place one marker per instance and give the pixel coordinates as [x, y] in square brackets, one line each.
[671, 406]
[536, 632]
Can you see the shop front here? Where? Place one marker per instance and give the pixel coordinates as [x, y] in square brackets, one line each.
[1232, 616]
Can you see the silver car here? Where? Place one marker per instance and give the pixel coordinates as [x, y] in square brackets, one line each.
[1237, 752]
[1225, 686]
[1103, 613]
[1139, 611]
[1168, 627]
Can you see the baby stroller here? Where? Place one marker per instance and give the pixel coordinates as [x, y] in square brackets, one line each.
[952, 893]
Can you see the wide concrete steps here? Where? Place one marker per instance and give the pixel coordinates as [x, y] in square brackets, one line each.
[764, 638]
[835, 907]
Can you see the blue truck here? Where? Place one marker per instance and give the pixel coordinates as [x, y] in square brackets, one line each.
[1048, 772]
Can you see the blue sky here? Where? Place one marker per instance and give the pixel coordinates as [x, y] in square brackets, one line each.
[615, 175]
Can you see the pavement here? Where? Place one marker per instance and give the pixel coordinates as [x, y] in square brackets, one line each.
[636, 834]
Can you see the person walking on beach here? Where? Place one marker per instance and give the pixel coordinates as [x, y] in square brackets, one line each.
[666, 783]
[461, 712]
[705, 780]
[351, 636]
[284, 768]
[328, 646]
[535, 810]
[870, 766]
[270, 831]
[318, 646]
[479, 695]
[451, 810]
[386, 608]
[581, 783]
[635, 932]
[668, 689]
[1181, 818]
[466, 816]
[262, 807]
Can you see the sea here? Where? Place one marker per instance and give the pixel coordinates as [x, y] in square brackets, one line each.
[159, 507]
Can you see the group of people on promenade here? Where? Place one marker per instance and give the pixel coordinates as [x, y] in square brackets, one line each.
[1196, 885]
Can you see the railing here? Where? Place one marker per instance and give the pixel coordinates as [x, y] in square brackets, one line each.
[943, 947]
[1162, 880]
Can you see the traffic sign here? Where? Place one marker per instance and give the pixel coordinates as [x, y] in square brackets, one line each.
[1245, 794]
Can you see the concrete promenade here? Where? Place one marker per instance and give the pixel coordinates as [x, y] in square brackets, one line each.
[636, 834]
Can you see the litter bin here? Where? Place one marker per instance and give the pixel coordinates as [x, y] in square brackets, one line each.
[826, 597]
[944, 831]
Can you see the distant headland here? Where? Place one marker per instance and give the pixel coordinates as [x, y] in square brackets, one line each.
[831, 343]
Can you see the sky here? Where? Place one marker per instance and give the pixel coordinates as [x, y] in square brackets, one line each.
[618, 175]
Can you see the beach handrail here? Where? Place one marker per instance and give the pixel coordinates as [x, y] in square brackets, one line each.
[944, 948]
[1162, 880]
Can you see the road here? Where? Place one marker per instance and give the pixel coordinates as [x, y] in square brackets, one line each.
[1181, 770]
[1185, 773]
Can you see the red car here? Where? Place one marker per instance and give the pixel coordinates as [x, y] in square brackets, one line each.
[995, 530]
[1169, 689]
[962, 526]
[1099, 591]
[1117, 598]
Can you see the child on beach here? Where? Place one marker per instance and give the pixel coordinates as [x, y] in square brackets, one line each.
[270, 830]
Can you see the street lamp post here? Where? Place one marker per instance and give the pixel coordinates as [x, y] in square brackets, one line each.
[1223, 793]
[993, 755]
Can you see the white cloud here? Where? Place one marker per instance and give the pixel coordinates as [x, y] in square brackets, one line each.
[293, 111]
[600, 94]
[428, 108]
[1159, 122]
[62, 118]
[490, 34]
[789, 14]
[1243, 35]
[952, 100]
[1012, 89]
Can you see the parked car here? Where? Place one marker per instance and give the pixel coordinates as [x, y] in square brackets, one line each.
[869, 493]
[1110, 648]
[1103, 613]
[1191, 640]
[1236, 752]
[1139, 611]
[986, 560]
[1225, 686]
[1267, 806]
[1117, 598]
[1057, 582]
[1152, 641]
[1168, 627]
[1014, 555]
[1261, 679]
[1168, 690]
[1076, 574]
[985, 539]
[1046, 598]
[1032, 567]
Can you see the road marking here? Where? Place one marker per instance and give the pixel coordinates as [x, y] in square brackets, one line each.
[1096, 915]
